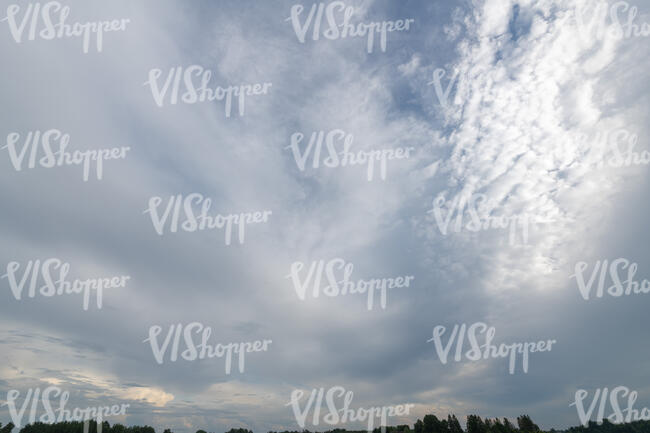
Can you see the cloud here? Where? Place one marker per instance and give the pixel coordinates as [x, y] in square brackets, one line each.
[528, 91]
[153, 396]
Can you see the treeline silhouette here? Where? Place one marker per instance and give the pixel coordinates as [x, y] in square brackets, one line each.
[430, 424]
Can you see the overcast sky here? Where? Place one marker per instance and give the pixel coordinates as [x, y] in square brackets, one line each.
[528, 84]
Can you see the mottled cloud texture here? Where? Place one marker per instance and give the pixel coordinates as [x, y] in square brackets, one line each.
[531, 94]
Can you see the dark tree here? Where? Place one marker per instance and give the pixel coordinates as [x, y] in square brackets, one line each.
[433, 425]
[419, 426]
[475, 424]
[239, 430]
[453, 424]
[509, 427]
[526, 424]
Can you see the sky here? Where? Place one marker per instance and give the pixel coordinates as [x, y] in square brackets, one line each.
[515, 120]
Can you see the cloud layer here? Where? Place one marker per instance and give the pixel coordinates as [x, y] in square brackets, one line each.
[529, 101]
